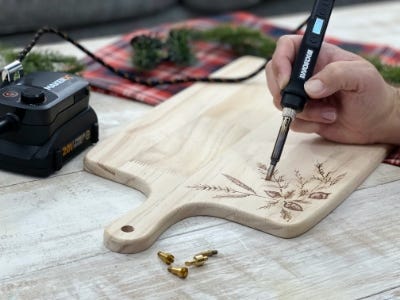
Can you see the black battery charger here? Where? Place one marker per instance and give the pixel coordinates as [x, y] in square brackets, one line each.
[45, 119]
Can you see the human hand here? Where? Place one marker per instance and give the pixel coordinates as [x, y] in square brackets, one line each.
[349, 100]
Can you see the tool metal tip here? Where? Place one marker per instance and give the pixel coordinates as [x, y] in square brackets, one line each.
[270, 172]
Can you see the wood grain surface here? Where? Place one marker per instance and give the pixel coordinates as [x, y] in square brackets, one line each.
[204, 152]
[51, 244]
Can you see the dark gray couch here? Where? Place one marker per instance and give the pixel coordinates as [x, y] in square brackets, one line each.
[28, 15]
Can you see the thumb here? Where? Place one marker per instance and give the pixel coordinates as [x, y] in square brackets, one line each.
[337, 76]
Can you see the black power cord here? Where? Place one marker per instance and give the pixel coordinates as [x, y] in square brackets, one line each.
[8, 122]
[137, 79]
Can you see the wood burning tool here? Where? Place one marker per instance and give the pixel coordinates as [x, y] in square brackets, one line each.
[293, 95]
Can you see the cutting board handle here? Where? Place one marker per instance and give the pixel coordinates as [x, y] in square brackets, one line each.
[139, 228]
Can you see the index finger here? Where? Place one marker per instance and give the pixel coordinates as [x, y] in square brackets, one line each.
[283, 58]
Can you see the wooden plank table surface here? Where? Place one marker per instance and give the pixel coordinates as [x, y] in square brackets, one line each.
[51, 230]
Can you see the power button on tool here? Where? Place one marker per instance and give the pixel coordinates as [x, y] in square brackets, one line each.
[32, 96]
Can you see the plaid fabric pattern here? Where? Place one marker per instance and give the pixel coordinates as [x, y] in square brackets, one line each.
[210, 57]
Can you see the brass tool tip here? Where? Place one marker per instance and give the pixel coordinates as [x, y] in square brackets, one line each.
[181, 272]
[270, 172]
[168, 258]
[208, 253]
[198, 260]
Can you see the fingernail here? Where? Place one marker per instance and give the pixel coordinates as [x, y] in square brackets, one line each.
[329, 115]
[314, 86]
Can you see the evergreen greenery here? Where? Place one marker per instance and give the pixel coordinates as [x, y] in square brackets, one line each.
[149, 51]
[178, 47]
[242, 40]
[390, 73]
[42, 61]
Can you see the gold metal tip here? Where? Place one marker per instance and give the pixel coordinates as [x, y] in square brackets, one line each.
[168, 258]
[208, 253]
[198, 260]
[181, 272]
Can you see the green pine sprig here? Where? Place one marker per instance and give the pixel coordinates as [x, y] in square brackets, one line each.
[390, 73]
[149, 51]
[242, 40]
[42, 61]
[179, 47]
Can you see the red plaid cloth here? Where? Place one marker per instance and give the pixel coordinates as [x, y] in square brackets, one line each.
[210, 57]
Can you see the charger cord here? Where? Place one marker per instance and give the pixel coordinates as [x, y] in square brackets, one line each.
[8, 122]
[137, 79]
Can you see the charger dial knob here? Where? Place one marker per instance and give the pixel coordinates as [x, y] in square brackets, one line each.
[32, 96]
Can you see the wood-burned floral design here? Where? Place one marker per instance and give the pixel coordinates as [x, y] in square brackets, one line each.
[291, 196]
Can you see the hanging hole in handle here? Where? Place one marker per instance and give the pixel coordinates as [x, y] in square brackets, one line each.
[127, 228]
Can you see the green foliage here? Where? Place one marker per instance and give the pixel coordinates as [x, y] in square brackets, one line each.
[178, 47]
[148, 52]
[42, 61]
[242, 40]
[390, 73]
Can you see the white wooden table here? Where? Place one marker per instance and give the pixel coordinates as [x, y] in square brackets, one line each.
[51, 229]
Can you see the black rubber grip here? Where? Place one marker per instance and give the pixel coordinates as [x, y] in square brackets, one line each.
[293, 95]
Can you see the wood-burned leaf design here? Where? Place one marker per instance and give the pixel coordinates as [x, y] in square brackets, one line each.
[319, 195]
[292, 205]
[302, 201]
[273, 194]
[262, 166]
[288, 194]
[303, 193]
[206, 187]
[239, 183]
[232, 196]
[286, 215]
[337, 179]
[269, 204]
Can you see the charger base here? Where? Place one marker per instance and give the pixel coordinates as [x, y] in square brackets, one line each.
[65, 143]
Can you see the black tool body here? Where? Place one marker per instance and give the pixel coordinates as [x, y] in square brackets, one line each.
[293, 95]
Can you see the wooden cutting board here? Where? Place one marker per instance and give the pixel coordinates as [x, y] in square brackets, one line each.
[205, 152]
